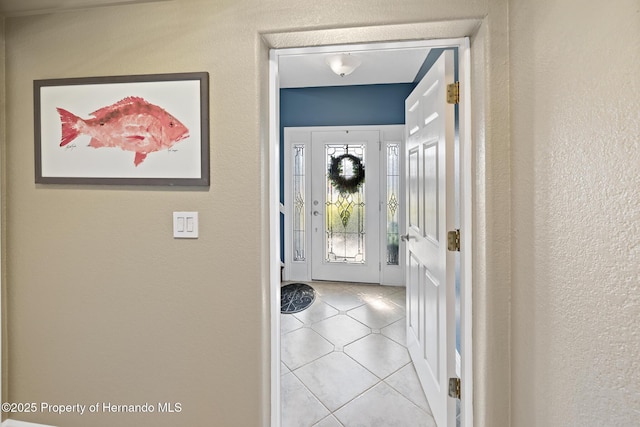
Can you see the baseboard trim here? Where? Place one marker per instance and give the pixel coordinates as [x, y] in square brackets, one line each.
[15, 423]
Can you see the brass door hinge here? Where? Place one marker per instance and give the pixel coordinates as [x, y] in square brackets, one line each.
[453, 240]
[453, 93]
[454, 388]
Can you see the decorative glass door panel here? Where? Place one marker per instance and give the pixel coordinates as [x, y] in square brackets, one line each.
[393, 203]
[345, 226]
[345, 206]
[299, 189]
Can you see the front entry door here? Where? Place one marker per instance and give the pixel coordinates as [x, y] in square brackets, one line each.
[430, 215]
[345, 219]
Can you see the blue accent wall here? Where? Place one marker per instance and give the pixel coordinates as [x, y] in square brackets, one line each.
[344, 105]
[363, 105]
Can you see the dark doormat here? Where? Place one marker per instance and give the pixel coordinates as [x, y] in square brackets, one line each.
[296, 297]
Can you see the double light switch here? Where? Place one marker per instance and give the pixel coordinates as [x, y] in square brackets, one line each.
[185, 225]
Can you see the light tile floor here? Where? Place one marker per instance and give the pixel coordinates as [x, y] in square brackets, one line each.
[345, 361]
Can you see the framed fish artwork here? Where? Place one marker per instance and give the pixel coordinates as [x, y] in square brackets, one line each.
[123, 130]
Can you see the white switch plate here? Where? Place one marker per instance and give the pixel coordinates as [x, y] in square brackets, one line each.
[185, 225]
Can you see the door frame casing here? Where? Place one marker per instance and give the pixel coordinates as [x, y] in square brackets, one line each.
[302, 270]
[278, 42]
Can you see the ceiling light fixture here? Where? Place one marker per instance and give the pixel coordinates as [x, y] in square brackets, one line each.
[343, 64]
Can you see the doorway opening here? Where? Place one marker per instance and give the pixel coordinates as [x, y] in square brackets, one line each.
[277, 224]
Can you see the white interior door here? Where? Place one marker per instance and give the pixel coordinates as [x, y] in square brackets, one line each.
[345, 225]
[430, 275]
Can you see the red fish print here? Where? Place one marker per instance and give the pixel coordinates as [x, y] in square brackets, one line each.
[132, 124]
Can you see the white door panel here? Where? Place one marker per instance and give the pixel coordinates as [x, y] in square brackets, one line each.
[430, 214]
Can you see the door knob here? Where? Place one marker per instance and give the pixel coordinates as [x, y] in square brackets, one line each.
[406, 237]
[316, 213]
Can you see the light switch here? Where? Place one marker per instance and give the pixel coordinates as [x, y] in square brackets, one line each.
[185, 225]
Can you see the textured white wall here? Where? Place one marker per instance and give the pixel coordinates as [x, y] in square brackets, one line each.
[575, 90]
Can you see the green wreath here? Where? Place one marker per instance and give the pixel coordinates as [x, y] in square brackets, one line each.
[339, 182]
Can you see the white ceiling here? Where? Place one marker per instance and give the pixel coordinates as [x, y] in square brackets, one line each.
[381, 66]
[303, 69]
